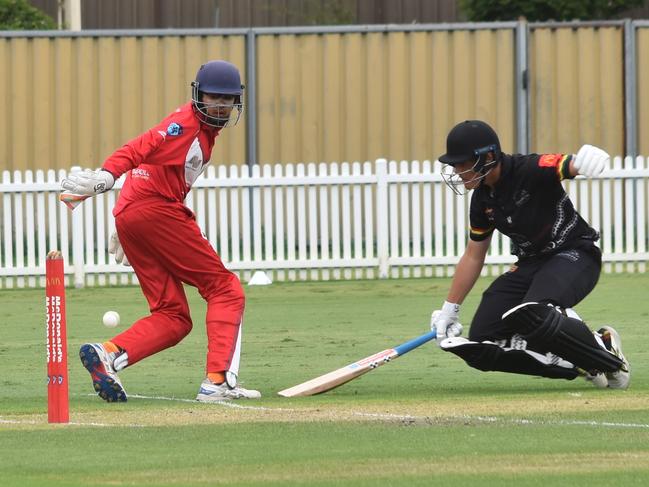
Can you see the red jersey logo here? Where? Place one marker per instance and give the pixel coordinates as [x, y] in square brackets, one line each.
[550, 160]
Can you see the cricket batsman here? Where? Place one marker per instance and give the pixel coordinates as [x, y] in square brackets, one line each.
[524, 323]
[158, 235]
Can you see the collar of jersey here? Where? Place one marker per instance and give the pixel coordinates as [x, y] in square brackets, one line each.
[505, 168]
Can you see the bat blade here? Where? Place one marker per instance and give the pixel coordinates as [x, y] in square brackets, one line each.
[72, 200]
[340, 376]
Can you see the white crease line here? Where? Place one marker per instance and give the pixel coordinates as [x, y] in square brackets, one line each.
[485, 419]
[225, 403]
[109, 425]
[15, 421]
[72, 423]
[159, 398]
[494, 419]
[561, 422]
[389, 416]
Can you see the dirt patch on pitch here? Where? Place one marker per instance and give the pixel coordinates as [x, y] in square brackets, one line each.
[152, 412]
[382, 471]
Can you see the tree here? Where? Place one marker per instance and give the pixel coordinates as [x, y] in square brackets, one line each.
[19, 15]
[542, 10]
[314, 12]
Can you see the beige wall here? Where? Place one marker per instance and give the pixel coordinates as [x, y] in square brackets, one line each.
[72, 101]
[577, 88]
[320, 97]
[344, 97]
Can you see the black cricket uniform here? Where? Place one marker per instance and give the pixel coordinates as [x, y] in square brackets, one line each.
[558, 261]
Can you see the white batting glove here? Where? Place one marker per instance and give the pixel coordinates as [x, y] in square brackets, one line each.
[88, 182]
[445, 321]
[590, 160]
[115, 247]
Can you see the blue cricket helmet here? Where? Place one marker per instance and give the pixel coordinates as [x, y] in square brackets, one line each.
[217, 77]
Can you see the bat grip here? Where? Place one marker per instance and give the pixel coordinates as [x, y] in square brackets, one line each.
[415, 342]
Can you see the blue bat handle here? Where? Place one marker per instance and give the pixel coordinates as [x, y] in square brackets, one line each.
[415, 342]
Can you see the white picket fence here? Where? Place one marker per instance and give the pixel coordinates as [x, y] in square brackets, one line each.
[309, 222]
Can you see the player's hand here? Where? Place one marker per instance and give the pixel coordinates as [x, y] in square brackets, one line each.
[88, 182]
[445, 322]
[590, 160]
[115, 247]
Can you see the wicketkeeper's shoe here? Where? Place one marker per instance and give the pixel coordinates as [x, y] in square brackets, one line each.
[99, 363]
[613, 343]
[210, 392]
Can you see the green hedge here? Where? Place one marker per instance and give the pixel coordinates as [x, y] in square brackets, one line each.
[544, 10]
[19, 15]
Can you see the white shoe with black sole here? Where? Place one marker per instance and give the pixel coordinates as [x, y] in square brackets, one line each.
[210, 392]
[620, 378]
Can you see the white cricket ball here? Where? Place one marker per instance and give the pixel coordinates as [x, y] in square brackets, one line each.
[111, 319]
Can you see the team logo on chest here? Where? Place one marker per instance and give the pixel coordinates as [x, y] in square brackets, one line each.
[489, 213]
[193, 162]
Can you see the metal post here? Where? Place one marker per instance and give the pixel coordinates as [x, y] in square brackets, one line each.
[522, 89]
[251, 97]
[630, 89]
[251, 116]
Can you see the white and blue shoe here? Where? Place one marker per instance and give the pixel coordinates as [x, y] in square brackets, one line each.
[100, 364]
[210, 392]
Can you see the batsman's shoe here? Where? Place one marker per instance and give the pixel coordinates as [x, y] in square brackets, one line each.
[599, 380]
[99, 363]
[210, 392]
[620, 378]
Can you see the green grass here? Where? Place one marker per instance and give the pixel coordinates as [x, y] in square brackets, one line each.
[425, 419]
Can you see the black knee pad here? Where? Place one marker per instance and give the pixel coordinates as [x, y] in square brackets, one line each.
[479, 355]
[545, 328]
[487, 356]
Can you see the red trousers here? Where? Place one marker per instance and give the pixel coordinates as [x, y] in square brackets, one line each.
[166, 248]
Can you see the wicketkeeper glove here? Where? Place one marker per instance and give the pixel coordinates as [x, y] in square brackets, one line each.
[115, 247]
[590, 160]
[445, 321]
[88, 182]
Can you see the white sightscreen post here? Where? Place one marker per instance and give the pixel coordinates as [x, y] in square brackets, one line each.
[382, 223]
[77, 247]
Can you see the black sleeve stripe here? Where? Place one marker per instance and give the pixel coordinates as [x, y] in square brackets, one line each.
[479, 234]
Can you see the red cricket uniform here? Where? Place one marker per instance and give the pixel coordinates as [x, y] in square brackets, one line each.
[165, 246]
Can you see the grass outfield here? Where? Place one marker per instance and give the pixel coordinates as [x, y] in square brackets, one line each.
[425, 419]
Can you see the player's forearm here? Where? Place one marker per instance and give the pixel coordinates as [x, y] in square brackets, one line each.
[466, 274]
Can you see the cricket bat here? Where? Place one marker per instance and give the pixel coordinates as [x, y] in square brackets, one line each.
[339, 377]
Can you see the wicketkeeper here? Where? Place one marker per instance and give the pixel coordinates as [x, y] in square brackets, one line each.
[524, 323]
[158, 235]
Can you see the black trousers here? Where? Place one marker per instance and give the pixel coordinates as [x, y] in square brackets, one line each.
[563, 279]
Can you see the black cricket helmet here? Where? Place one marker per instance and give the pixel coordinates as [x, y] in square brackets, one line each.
[470, 140]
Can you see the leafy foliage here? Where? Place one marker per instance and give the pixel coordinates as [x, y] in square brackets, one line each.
[314, 12]
[542, 10]
[19, 15]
